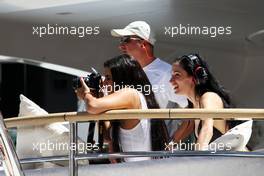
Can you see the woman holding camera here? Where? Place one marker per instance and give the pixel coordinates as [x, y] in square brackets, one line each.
[123, 77]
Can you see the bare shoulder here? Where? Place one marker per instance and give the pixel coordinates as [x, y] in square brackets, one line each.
[211, 100]
[128, 95]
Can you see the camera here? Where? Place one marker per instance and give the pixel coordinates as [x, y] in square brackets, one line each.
[92, 80]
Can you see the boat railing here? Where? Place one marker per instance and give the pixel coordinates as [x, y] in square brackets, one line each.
[10, 161]
[75, 117]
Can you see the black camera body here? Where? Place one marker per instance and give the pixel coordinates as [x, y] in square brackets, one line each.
[92, 81]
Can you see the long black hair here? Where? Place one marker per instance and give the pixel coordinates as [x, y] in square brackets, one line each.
[128, 72]
[195, 66]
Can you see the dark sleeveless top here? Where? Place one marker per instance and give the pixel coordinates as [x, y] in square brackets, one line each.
[230, 124]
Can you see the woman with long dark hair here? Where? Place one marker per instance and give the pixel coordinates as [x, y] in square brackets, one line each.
[128, 88]
[191, 77]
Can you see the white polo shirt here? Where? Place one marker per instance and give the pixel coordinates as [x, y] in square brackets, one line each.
[159, 74]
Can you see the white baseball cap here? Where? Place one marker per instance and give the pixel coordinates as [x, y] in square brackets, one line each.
[138, 28]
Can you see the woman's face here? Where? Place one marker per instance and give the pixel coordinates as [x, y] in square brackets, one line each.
[182, 83]
[108, 81]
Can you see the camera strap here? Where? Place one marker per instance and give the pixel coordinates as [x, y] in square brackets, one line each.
[91, 130]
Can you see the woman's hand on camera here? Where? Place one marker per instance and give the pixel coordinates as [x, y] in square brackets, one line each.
[82, 91]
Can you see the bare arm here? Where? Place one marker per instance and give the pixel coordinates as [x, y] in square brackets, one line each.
[209, 100]
[122, 99]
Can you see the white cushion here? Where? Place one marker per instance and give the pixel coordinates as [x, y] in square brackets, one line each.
[29, 139]
[237, 137]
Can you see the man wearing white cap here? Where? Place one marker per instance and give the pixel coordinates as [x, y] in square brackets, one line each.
[137, 40]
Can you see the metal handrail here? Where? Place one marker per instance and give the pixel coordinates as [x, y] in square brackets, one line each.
[142, 154]
[10, 160]
[73, 164]
[227, 114]
[74, 117]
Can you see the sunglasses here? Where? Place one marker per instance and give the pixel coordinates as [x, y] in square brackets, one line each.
[127, 39]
